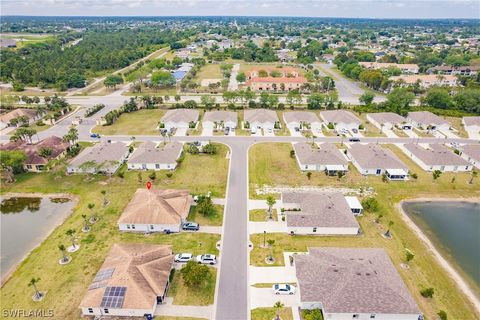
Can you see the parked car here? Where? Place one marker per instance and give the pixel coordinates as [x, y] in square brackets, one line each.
[297, 129]
[354, 130]
[207, 259]
[183, 257]
[283, 288]
[95, 135]
[192, 226]
[354, 139]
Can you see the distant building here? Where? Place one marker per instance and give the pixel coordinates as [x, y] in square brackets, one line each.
[319, 213]
[6, 118]
[36, 161]
[326, 157]
[103, 157]
[371, 159]
[426, 80]
[436, 157]
[472, 126]
[274, 79]
[132, 281]
[353, 283]
[404, 68]
[8, 43]
[454, 70]
[156, 210]
[182, 71]
[149, 156]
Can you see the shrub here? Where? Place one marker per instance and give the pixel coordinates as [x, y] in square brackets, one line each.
[427, 292]
[442, 315]
[195, 275]
[370, 204]
[330, 126]
[414, 176]
[169, 174]
[152, 175]
[315, 314]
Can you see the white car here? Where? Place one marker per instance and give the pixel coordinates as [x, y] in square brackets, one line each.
[183, 257]
[207, 259]
[283, 288]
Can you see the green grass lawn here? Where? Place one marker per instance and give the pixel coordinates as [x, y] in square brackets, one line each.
[209, 71]
[270, 313]
[202, 296]
[141, 122]
[199, 174]
[424, 270]
[370, 129]
[214, 220]
[260, 215]
[456, 123]
[177, 318]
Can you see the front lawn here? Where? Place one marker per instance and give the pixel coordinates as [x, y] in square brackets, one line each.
[198, 173]
[270, 164]
[213, 220]
[270, 313]
[260, 215]
[202, 296]
[141, 122]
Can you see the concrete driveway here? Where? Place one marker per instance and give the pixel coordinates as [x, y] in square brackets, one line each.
[389, 133]
[271, 274]
[170, 310]
[448, 134]
[294, 133]
[270, 227]
[266, 133]
[180, 132]
[207, 132]
[264, 297]
[410, 133]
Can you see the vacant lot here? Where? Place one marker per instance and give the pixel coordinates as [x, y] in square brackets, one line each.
[135, 123]
[209, 71]
[424, 270]
[199, 174]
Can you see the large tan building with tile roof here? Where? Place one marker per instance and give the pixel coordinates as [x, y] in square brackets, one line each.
[133, 279]
[156, 210]
[353, 283]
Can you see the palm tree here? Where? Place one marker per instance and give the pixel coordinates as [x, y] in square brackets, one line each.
[270, 202]
[474, 175]
[278, 306]
[71, 234]
[33, 283]
[105, 200]
[62, 248]
[93, 217]
[86, 228]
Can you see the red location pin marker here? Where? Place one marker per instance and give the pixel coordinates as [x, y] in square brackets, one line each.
[149, 185]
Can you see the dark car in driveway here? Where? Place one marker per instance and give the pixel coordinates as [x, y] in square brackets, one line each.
[190, 226]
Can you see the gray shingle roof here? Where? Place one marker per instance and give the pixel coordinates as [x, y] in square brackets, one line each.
[300, 116]
[426, 117]
[436, 154]
[101, 153]
[339, 116]
[260, 115]
[217, 116]
[326, 154]
[472, 150]
[148, 152]
[471, 121]
[353, 280]
[386, 117]
[180, 115]
[372, 156]
[319, 210]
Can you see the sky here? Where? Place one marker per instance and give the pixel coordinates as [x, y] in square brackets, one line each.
[408, 9]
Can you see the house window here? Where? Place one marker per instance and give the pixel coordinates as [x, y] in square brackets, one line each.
[356, 316]
[379, 171]
[133, 226]
[128, 226]
[157, 166]
[151, 227]
[372, 316]
[106, 311]
[29, 166]
[315, 229]
[90, 310]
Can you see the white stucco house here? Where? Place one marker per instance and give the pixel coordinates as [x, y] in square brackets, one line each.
[436, 157]
[179, 119]
[220, 120]
[387, 120]
[155, 156]
[353, 283]
[104, 157]
[302, 120]
[340, 119]
[372, 159]
[324, 157]
[156, 210]
[132, 281]
[260, 119]
[318, 213]
[427, 121]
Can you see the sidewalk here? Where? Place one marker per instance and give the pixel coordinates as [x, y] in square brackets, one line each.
[171, 310]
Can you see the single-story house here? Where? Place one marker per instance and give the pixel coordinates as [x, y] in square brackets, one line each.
[326, 157]
[302, 120]
[425, 80]
[104, 157]
[6, 118]
[260, 119]
[37, 154]
[132, 281]
[156, 210]
[427, 121]
[318, 213]
[179, 118]
[471, 153]
[472, 125]
[220, 120]
[353, 283]
[436, 157]
[387, 120]
[372, 159]
[341, 119]
[182, 71]
[149, 156]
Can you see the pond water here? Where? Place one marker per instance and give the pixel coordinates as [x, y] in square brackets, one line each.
[454, 228]
[25, 223]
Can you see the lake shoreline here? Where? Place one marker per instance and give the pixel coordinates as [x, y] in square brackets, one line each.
[446, 265]
[75, 199]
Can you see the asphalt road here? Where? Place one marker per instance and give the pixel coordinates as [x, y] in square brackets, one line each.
[232, 300]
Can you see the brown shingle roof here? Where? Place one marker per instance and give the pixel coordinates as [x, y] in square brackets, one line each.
[372, 156]
[326, 154]
[142, 268]
[436, 155]
[157, 206]
[32, 151]
[319, 210]
[353, 280]
[29, 113]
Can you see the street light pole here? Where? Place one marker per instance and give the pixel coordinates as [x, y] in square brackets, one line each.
[264, 235]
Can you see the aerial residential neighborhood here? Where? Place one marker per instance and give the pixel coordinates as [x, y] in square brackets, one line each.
[240, 160]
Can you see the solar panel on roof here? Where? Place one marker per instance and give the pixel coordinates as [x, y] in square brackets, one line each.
[104, 274]
[98, 284]
[113, 297]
